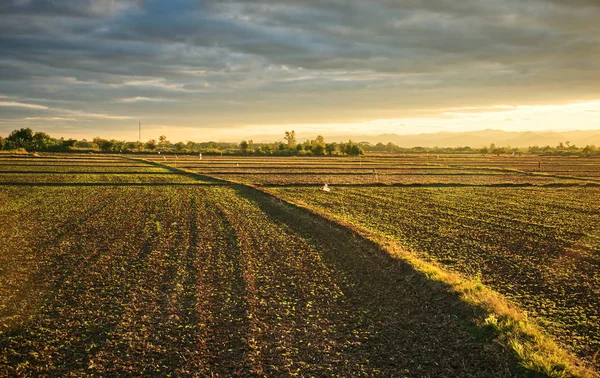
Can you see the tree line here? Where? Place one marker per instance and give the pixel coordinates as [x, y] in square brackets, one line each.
[563, 148]
[28, 140]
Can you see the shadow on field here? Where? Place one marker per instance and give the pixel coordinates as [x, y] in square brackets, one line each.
[414, 325]
[181, 172]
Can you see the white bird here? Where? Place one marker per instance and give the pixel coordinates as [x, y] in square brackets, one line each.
[326, 188]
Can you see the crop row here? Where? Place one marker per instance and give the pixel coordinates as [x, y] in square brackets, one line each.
[62, 160]
[78, 168]
[406, 179]
[339, 170]
[95, 178]
[291, 164]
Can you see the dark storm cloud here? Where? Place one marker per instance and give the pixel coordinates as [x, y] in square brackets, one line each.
[109, 54]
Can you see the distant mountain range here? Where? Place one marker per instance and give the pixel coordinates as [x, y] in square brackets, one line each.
[478, 139]
[474, 139]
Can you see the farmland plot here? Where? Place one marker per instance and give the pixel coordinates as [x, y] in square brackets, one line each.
[538, 246]
[389, 179]
[204, 279]
[412, 170]
[91, 171]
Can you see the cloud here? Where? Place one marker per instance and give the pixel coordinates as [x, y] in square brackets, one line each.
[73, 8]
[58, 114]
[84, 115]
[43, 119]
[22, 105]
[211, 63]
[144, 99]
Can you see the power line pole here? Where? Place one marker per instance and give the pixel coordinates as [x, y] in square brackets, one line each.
[140, 132]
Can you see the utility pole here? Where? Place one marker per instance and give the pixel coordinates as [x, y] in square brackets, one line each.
[140, 132]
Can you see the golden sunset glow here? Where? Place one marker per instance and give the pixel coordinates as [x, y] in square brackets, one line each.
[252, 69]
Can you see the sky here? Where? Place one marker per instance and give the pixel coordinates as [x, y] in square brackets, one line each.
[227, 70]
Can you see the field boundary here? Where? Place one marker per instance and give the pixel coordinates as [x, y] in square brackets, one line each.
[531, 173]
[434, 185]
[533, 349]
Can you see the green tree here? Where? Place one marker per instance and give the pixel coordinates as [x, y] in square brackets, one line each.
[133, 146]
[318, 149]
[244, 147]
[318, 146]
[352, 149]
[119, 145]
[499, 150]
[179, 147]
[163, 142]
[357, 150]
[41, 141]
[66, 144]
[290, 137]
[192, 147]
[22, 138]
[151, 144]
[104, 144]
[589, 149]
[330, 148]
[308, 145]
[380, 147]
[86, 145]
